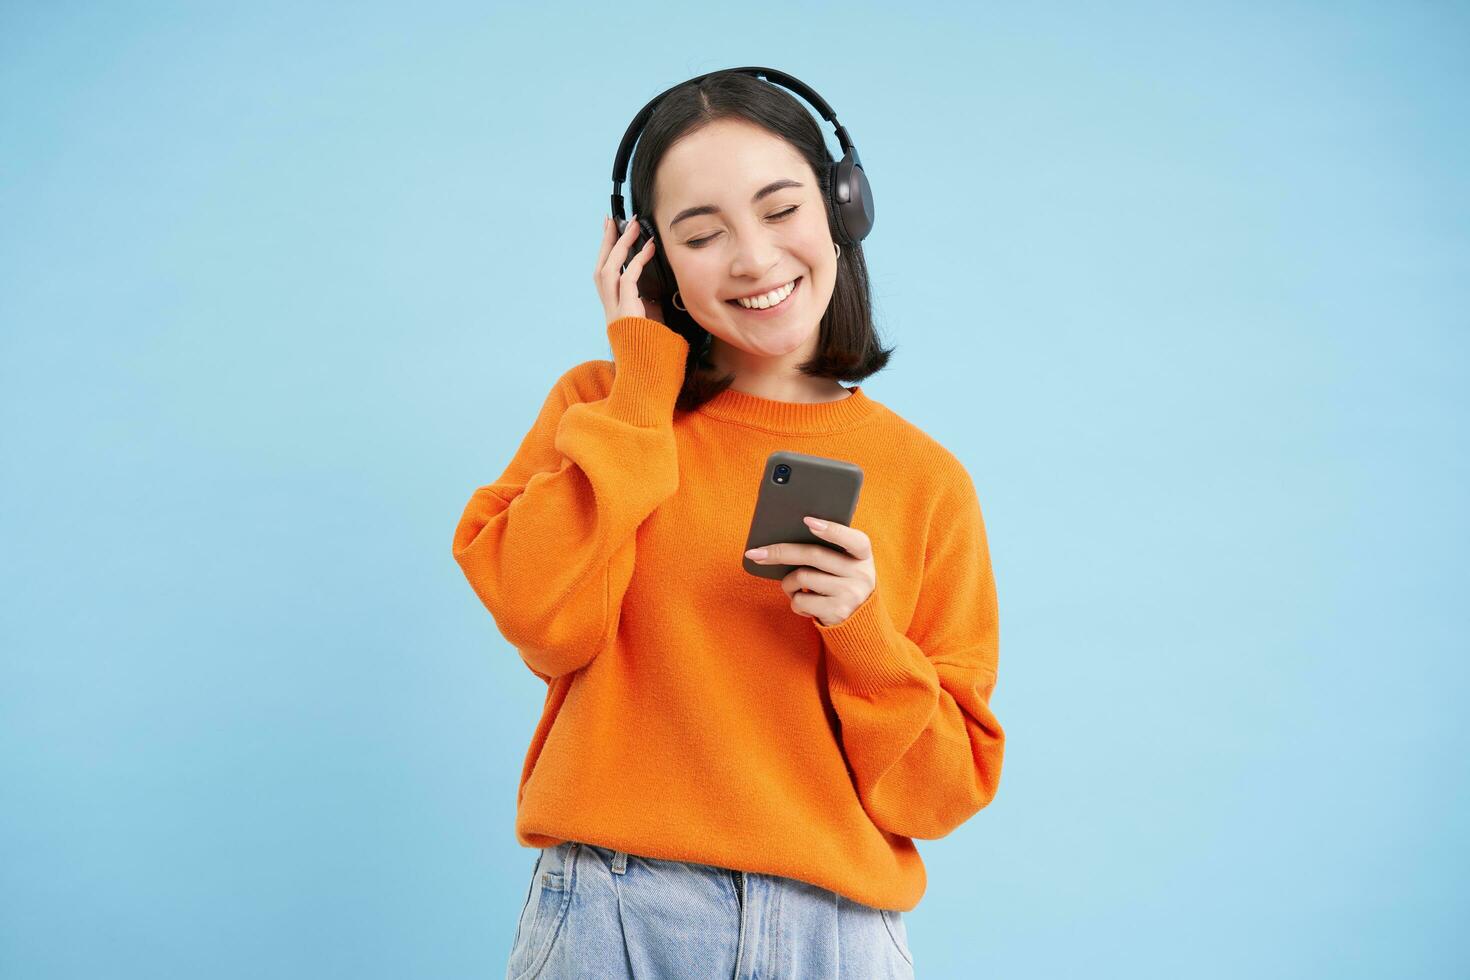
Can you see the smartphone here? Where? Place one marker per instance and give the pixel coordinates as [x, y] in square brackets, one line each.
[793, 486]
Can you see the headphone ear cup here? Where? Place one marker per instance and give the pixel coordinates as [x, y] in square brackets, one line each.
[646, 229]
[835, 216]
[652, 284]
[850, 201]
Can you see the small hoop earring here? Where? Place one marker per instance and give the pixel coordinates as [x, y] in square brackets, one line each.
[839, 249]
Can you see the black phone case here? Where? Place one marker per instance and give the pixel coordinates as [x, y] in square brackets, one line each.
[819, 486]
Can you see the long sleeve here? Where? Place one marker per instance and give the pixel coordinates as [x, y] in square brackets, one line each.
[924, 748]
[549, 546]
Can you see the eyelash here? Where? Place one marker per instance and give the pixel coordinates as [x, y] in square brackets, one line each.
[779, 216]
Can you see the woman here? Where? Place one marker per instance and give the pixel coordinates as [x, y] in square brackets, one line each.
[729, 771]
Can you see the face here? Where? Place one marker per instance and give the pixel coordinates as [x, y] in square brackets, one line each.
[746, 243]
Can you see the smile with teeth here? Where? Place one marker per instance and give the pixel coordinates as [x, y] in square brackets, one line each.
[765, 302]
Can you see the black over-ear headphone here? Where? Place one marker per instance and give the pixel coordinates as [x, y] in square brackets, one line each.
[849, 196]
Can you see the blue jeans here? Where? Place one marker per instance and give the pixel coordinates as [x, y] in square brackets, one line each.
[594, 912]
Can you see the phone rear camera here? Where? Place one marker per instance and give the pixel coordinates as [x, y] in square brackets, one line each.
[783, 473]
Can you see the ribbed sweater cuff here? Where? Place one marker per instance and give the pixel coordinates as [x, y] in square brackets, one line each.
[866, 652]
[648, 360]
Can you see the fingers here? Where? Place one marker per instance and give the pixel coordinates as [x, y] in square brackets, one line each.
[637, 262]
[799, 553]
[805, 579]
[614, 248]
[853, 541]
[610, 238]
[604, 246]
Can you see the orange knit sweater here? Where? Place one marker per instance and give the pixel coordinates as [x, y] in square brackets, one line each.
[690, 714]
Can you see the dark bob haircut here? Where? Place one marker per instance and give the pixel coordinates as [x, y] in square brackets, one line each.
[847, 346]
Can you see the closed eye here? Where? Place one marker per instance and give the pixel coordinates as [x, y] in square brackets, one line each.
[779, 216]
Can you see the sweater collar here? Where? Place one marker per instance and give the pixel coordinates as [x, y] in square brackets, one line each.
[791, 417]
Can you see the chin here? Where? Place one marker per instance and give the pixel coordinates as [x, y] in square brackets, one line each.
[779, 344]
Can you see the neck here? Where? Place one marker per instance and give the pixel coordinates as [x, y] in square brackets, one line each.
[775, 378]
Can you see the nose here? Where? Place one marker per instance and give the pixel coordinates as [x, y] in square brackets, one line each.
[756, 254]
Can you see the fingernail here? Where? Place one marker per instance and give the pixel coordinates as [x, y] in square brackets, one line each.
[756, 553]
[817, 524]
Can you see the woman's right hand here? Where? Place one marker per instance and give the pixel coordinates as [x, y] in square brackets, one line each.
[619, 291]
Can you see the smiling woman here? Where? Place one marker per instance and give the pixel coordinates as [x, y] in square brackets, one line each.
[729, 773]
[733, 172]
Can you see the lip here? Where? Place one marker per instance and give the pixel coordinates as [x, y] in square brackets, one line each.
[774, 310]
[762, 292]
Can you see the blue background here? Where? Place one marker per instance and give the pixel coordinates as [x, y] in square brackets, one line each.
[1184, 286]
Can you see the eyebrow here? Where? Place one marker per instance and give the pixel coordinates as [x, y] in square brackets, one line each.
[765, 191]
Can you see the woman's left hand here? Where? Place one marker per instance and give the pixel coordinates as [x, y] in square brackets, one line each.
[835, 584]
